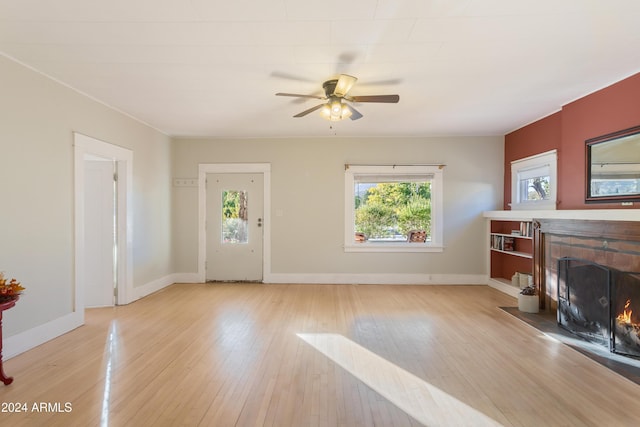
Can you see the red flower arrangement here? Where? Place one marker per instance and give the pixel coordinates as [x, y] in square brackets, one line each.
[10, 290]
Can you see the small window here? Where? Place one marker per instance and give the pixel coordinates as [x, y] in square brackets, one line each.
[393, 208]
[533, 182]
[235, 227]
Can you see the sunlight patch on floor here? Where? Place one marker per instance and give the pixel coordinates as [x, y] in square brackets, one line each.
[419, 399]
[548, 337]
[111, 348]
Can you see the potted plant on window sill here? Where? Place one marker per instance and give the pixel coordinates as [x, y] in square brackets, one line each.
[528, 300]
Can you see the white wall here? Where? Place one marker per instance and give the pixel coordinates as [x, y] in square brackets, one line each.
[307, 188]
[38, 118]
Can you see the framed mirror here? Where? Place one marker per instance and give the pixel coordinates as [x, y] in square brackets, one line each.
[613, 167]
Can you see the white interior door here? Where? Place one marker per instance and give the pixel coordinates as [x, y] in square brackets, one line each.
[99, 220]
[234, 226]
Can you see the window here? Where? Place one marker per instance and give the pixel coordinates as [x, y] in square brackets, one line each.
[393, 208]
[533, 182]
[235, 227]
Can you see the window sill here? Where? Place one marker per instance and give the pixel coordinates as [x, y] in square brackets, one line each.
[402, 247]
[524, 206]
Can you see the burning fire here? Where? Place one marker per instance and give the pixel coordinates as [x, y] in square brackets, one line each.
[625, 317]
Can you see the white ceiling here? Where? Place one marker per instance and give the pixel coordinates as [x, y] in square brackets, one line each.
[212, 67]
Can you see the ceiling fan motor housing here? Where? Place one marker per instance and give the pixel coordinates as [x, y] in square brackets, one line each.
[329, 87]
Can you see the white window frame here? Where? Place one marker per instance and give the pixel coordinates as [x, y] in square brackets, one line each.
[431, 173]
[546, 162]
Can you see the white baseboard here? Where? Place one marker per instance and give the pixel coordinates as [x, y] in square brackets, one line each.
[161, 283]
[33, 337]
[186, 278]
[378, 279]
[503, 287]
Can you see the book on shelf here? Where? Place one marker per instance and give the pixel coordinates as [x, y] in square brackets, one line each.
[526, 229]
[496, 241]
[507, 244]
[502, 243]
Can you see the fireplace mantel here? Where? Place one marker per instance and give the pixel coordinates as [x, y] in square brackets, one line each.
[605, 229]
[580, 214]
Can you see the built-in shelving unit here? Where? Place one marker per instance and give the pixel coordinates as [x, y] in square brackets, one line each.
[510, 250]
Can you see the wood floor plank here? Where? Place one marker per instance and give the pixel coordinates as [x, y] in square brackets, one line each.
[230, 355]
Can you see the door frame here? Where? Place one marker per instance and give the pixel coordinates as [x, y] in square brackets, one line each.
[206, 168]
[85, 147]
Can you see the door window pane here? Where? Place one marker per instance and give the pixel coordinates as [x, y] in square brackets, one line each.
[235, 227]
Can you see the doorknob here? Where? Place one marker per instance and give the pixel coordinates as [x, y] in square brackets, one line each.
[259, 222]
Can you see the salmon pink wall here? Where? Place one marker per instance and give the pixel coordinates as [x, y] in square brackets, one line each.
[538, 137]
[611, 109]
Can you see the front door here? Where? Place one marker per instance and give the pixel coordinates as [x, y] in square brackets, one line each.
[234, 214]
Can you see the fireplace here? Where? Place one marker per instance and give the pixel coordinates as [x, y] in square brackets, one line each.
[600, 304]
[626, 312]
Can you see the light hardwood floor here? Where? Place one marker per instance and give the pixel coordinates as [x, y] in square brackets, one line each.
[307, 355]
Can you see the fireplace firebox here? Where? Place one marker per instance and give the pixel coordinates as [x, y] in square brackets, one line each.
[600, 304]
[626, 313]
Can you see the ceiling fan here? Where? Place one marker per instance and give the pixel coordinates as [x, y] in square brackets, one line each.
[336, 92]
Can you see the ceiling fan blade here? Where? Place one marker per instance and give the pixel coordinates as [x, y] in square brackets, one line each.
[387, 82]
[375, 98]
[355, 114]
[288, 76]
[297, 95]
[344, 85]
[310, 110]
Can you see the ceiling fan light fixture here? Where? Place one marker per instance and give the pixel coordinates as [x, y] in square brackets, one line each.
[346, 112]
[325, 112]
[336, 107]
[335, 110]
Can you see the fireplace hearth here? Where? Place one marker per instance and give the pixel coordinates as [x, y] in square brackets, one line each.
[600, 304]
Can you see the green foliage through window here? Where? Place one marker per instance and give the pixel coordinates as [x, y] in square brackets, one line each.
[389, 210]
[234, 216]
